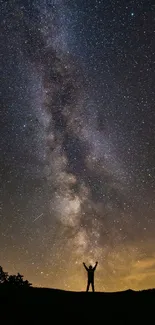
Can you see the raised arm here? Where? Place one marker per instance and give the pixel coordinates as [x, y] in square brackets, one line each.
[94, 268]
[85, 266]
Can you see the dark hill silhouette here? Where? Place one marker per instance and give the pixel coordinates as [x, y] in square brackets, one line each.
[20, 303]
[45, 306]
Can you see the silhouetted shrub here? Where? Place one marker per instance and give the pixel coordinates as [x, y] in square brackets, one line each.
[17, 280]
[13, 280]
[3, 276]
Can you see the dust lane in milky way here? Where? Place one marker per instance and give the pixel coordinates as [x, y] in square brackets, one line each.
[77, 143]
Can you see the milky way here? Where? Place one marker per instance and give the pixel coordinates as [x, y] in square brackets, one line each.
[77, 143]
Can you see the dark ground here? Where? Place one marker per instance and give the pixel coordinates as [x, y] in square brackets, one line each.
[49, 306]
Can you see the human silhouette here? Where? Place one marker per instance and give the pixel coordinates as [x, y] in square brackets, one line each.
[90, 272]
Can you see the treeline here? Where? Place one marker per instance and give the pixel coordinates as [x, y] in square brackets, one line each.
[13, 280]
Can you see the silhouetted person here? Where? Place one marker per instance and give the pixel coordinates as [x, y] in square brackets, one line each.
[90, 273]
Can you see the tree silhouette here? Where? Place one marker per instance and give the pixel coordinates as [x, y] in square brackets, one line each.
[13, 280]
[17, 280]
[3, 276]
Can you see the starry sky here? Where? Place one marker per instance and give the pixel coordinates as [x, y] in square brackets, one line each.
[77, 142]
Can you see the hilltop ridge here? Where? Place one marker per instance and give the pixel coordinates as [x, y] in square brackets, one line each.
[44, 303]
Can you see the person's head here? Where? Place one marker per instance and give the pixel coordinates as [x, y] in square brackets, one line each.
[90, 267]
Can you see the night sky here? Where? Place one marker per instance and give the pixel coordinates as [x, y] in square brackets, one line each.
[77, 144]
